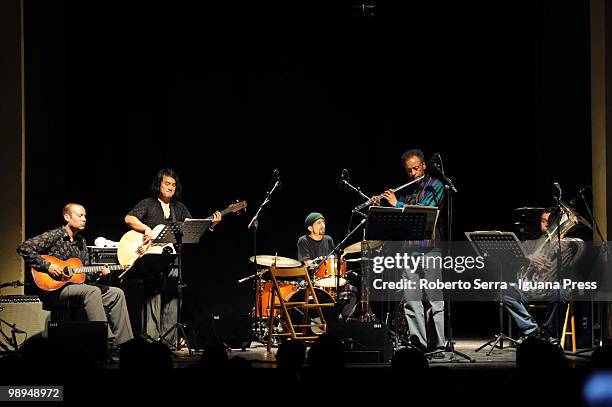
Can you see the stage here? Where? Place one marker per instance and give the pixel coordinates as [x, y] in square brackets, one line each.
[504, 359]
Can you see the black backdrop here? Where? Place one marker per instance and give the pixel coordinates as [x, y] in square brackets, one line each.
[226, 93]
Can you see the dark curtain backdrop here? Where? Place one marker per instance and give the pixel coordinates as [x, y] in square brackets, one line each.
[225, 93]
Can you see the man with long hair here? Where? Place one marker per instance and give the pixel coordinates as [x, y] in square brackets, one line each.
[162, 207]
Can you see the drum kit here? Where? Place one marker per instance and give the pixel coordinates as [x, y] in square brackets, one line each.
[330, 279]
[324, 281]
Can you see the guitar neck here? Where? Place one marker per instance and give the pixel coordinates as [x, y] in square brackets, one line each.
[96, 269]
[223, 213]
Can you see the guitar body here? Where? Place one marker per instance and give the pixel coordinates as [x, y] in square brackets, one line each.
[44, 281]
[131, 247]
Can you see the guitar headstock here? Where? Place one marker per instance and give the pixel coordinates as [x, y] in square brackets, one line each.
[237, 208]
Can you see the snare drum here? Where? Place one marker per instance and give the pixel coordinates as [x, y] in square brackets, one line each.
[326, 273]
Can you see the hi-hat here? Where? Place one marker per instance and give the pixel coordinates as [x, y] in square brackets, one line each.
[356, 247]
[277, 261]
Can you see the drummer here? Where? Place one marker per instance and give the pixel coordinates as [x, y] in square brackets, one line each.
[316, 244]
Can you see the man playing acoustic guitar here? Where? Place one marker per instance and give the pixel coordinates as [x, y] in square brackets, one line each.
[161, 207]
[66, 243]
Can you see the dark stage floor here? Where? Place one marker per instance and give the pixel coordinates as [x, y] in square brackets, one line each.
[497, 359]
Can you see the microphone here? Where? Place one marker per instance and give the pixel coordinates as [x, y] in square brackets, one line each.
[17, 330]
[276, 177]
[572, 202]
[446, 180]
[556, 185]
[343, 177]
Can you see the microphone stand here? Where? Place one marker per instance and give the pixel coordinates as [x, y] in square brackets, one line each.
[355, 210]
[334, 250]
[559, 259]
[450, 189]
[13, 339]
[253, 225]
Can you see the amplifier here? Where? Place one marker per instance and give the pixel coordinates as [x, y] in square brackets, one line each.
[102, 255]
[25, 313]
[363, 341]
[236, 331]
[85, 337]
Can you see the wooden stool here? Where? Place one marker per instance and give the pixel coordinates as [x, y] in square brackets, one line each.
[569, 315]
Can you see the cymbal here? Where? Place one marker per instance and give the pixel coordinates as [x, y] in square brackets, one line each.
[356, 247]
[269, 261]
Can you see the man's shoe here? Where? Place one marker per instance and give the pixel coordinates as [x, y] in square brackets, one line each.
[113, 354]
[535, 332]
[437, 354]
[553, 341]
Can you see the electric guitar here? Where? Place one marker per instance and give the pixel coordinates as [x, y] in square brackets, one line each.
[131, 248]
[73, 272]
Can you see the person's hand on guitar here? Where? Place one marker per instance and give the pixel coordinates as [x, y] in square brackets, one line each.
[105, 271]
[216, 219]
[147, 236]
[55, 270]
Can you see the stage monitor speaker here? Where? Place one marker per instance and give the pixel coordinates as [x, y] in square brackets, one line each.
[364, 342]
[233, 330]
[90, 336]
[25, 312]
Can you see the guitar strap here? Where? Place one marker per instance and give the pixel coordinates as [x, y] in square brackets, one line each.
[172, 212]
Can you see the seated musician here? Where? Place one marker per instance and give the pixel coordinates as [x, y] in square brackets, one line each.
[316, 244]
[67, 242]
[516, 301]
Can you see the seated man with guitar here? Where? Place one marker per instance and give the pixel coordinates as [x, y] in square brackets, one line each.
[57, 258]
[162, 207]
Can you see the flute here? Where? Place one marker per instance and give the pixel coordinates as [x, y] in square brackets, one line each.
[370, 201]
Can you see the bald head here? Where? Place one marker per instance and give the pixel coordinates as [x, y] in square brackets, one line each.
[74, 215]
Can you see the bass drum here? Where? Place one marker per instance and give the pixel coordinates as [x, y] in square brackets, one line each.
[329, 313]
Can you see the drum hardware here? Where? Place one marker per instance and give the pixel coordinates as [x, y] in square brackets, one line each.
[274, 261]
[291, 291]
[358, 247]
[259, 285]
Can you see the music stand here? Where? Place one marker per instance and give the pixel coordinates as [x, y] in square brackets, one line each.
[410, 223]
[179, 233]
[501, 247]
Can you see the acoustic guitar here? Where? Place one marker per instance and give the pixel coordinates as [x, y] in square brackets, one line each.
[131, 248]
[73, 272]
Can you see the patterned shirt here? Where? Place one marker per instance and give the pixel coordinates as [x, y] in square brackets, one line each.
[428, 192]
[55, 242]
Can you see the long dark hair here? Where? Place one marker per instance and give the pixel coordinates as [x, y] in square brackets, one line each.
[156, 184]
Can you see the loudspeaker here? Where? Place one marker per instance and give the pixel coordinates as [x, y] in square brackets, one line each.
[364, 342]
[25, 312]
[91, 337]
[233, 330]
